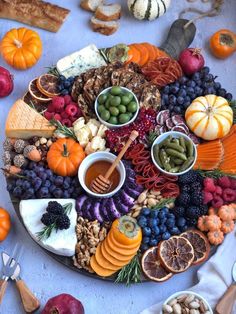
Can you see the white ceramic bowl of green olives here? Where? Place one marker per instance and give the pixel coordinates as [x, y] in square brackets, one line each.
[116, 106]
[174, 153]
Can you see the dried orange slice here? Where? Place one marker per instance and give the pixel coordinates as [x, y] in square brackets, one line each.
[48, 85]
[176, 254]
[35, 92]
[199, 243]
[30, 100]
[152, 267]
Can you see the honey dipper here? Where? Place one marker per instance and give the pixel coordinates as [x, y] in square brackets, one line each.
[102, 183]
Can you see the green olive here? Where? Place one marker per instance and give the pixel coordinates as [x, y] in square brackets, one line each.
[101, 108]
[122, 108]
[130, 114]
[125, 100]
[113, 120]
[124, 118]
[110, 97]
[116, 101]
[116, 90]
[129, 95]
[102, 98]
[105, 115]
[114, 111]
[132, 106]
[107, 104]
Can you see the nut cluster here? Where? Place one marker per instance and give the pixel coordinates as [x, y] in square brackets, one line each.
[186, 304]
[148, 198]
[89, 235]
[42, 145]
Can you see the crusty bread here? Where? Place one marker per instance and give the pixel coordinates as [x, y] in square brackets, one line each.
[104, 27]
[109, 12]
[90, 5]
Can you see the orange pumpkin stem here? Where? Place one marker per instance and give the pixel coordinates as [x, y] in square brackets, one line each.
[18, 43]
[65, 152]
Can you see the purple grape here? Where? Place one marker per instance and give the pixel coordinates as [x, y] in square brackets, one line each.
[57, 193]
[37, 182]
[47, 183]
[52, 188]
[59, 181]
[17, 192]
[43, 192]
[43, 176]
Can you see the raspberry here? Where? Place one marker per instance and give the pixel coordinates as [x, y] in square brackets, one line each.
[64, 115]
[66, 122]
[217, 202]
[218, 191]
[48, 115]
[233, 183]
[229, 195]
[57, 117]
[224, 182]
[71, 110]
[58, 103]
[50, 108]
[207, 197]
[209, 185]
[73, 119]
[67, 99]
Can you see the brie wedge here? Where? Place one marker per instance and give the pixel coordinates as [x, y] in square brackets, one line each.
[61, 242]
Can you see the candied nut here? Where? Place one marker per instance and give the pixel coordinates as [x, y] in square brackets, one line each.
[49, 143]
[167, 308]
[43, 140]
[189, 299]
[37, 143]
[145, 202]
[142, 197]
[177, 308]
[151, 202]
[135, 214]
[155, 192]
[194, 305]
[172, 302]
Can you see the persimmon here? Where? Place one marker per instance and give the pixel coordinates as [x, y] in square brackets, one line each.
[223, 43]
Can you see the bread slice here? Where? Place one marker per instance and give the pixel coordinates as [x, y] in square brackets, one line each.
[109, 12]
[90, 5]
[104, 27]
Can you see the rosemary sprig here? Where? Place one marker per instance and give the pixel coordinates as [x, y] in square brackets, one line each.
[164, 202]
[130, 273]
[46, 232]
[103, 53]
[53, 70]
[215, 174]
[151, 137]
[63, 129]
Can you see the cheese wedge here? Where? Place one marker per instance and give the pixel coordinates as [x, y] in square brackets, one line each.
[25, 122]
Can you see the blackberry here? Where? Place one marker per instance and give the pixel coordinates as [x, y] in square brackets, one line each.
[63, 222]
[191, 221]
[178, 211]
[48, 219]
[197, 197]
[193, 212]
[189, 177]
[196, 186]
[185, 189]
[54, 208]
[203, 209]
[183, 199]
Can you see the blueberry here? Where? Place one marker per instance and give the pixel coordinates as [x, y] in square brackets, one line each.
[174, 89]
[71, 79]
[166, 89]
[199, 82]
[170, 215]
[205, 70]
[37, 182]
[49, 173]
[174, 230]
[163, 220]
[67, 84]
[66, 185]
[165, 210]
[190, 90]
[184, 228]
[165, 98]
[191, 84]
[62, 78]
[217, 85]
[31, 174]
[147, 231]
[196, 76]
[162, 228]
[142, 221]
[182, 93]
[52, 188]
[153, 242]
[43, 192]
[172, 99]
[180, 100]
[170, 223]
[60, 87]
[229, 96]
[145, 211]
[181, 222]
[64, 92]
[144, 247]
[156, 230]
[66, 194]
[177, 109]
[146, 240]
[152, 222]
[154, 213]
[183, 80]
[166, 235]
[171, 107]
[161, 214]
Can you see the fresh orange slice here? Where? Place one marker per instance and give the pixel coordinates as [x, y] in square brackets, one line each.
[35, 92]
[199, 243]
[176, 254]
[152, 267]
[48, 85]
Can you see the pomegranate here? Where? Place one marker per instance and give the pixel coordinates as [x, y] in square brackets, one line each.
[63, 304]
[6, 82]
[191, 60]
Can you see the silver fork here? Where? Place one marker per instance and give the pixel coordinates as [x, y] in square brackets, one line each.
[8, 269]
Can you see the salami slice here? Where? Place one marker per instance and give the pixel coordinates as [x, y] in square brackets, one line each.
[178, 128]
[194, 138]
[177, 119]
[162, 117]
[169, 124]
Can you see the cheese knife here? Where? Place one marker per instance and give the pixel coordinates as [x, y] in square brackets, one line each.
[29, 301]
[225, 305]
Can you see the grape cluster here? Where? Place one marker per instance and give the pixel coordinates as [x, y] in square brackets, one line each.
[37, 181]
[65, 85]
[178, 96]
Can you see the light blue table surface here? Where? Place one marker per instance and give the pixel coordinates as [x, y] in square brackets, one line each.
[43, 275]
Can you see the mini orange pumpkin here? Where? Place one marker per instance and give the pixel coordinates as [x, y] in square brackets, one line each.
[21, 48]
[65, 156]
[213, 223]
[215, 237]
[233, 205]
[5, 224]
[226, 212]
[202, 223]
[227, 226]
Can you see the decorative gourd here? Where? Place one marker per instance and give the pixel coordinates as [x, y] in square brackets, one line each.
[148, 9]
[209, 117]
[226, 212]
[65, 156]
[233, 205]
[21, 48]
[227, 226]
[213, 223]
[202, 223]
[5, 224]
[215, 237]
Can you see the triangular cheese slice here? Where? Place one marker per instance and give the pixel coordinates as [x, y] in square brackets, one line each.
[25, 122]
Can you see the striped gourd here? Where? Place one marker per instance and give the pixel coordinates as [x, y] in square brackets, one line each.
[148, 9]
[209, 117]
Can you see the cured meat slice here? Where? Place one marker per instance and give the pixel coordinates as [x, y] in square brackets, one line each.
[177, 119]
[169, 123]
[179, 128]
[194, 138]
[185, 127]
[163, 129]
[162, 116]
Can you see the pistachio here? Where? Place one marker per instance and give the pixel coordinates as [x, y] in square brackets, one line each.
[177, 308]
[167, 308]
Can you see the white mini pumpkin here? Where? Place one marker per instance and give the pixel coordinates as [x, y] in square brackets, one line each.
[148, 9]
[209, 117]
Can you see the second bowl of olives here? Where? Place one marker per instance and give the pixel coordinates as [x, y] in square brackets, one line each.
[116, 106]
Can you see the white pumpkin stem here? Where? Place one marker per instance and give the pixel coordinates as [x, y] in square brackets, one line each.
[18, 43]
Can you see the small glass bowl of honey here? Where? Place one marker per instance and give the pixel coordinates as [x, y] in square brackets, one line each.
[98, 163]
